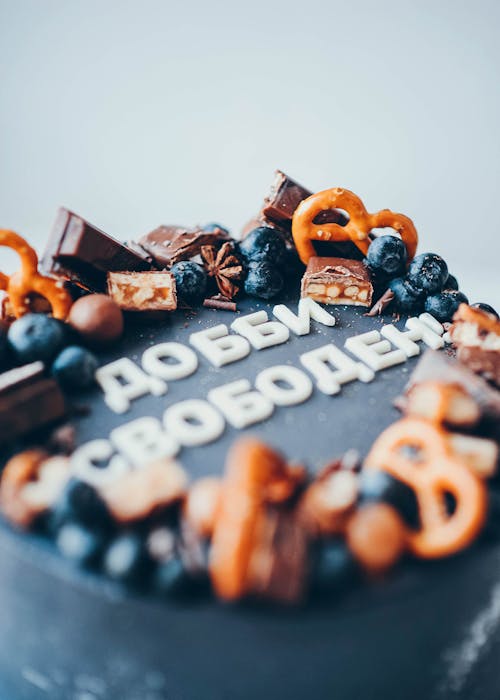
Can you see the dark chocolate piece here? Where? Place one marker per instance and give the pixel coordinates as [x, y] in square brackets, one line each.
[170, 244]
[80, 253]
[143, 291]
[337, 281]
[381, 305]
[219, 302]
[28, 400]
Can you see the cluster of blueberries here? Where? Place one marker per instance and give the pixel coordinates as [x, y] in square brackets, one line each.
[424, 285]
[265, 259]
[38, 337]
[150, 556]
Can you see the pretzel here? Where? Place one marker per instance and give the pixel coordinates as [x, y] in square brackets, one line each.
[255, 476]
[27, 280]
[357, 230]
[437, 471]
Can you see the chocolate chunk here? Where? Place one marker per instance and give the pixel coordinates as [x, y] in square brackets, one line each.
[337, 281]
[143, 291]
[80, 253]
[28, 400]
[170, 244]
[381, 305]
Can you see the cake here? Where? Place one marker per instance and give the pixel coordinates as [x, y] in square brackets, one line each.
[216, 486]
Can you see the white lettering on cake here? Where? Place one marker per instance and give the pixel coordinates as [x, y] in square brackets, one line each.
[87, 463]
[144, 440]
[240, 405]
[194, 422]
[375, 353]
[300, 323]
[427, 329]
[218, 346]
[401, 339]
[186, 361]
[299, 388]
[261, 332]
[123, 381]
[319, 363]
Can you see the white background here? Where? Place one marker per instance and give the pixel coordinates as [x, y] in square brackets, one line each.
[140, 113]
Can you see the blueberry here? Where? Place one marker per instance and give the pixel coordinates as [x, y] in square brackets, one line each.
[191, 282]
[3, 349]
[428, 272]
[172, 580]
[126, 560]
[81, 503]
[213, 227]
[451, 282]
[406, 298]
[443, 305]
[334, 567]
[79, 544]
[264, 244]
[387, 254]
[74, 367]
[263, 280]
[486, 307]
[378, 485]
[36, 337]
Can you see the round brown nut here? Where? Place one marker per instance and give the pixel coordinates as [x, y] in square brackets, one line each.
[201, 505]
[97, 318]
[376, 536]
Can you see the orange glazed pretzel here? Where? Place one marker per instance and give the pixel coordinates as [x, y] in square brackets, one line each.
[360, 223]
[28, 280]
[435, 471]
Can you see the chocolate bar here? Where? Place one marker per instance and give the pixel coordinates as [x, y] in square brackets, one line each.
[143, 291]
[80, 253]
[476, 335]
[168, 245]
[28, 400]
[337, 281]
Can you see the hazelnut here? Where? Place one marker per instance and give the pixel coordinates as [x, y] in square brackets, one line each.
[376, 536]
[97, 318]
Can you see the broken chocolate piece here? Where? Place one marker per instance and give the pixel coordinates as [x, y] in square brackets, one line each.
[476, 335]
[381, 305]
[28, 400]
[337, 281]
[170, 244]
[220, 302]
[143, 291]
[80, 253]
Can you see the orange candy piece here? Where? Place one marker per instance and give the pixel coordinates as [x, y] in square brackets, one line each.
[357, 229]
[28, 280]
[435, 471]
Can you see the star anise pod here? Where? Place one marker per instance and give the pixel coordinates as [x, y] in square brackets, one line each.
[224, 266]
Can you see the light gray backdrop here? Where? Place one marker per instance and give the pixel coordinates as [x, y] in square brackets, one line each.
[140, 113]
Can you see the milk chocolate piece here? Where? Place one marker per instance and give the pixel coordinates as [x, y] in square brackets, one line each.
[476, 335]
[168, 245]
[28, 400]
[80, 253]
[337, 281]
[143, 291]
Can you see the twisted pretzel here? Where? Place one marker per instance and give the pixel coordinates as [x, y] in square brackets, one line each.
[357, 229]
[436, 472]
[27, 280]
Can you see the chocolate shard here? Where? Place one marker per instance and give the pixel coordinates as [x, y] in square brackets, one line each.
[168, 245]
[143, 291]
[83, 254]
[28, 400]
[337, 281]
[381, 305]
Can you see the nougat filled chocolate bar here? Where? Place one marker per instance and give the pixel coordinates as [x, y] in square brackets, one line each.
[143, 291]
[80, 253]
[476, 336]
[337, 281]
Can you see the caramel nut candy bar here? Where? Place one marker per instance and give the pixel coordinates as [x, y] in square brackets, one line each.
[28, 400]
[83, 254]
[337, 281]
[141, 491]
[476, 335]
[168, 245]
[143, 291]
